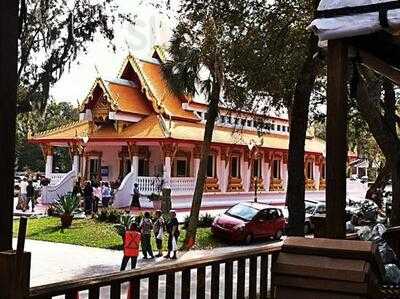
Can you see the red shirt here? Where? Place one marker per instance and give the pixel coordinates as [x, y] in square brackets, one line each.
[131, 243]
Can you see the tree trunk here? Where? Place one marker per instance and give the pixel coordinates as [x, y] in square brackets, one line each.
[212, 114]
[383, 128]
[381, 180]
[298, 128]
[8, 96]
[390, 120]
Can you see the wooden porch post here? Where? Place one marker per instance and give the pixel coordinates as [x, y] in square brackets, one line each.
[8, 96]
[336, 139]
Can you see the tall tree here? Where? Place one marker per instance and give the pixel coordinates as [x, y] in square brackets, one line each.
[29, 156]
[381, 118]
[196, 67]
[51, 35]
[8, 95]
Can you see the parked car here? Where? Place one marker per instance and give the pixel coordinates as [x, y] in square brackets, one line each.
[248, 221]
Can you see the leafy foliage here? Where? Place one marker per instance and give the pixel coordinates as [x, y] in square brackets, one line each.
[67, 204]
[110, 215]
[51, 35]
[29, 156]
[124, 224]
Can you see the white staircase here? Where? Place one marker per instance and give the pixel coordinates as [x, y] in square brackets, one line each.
[54, 190]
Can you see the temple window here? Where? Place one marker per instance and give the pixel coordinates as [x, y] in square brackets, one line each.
[94, 168]
[257, 171]
[235, 167]
[143, 167]
[276, 169]
[278, 127]
[222, 119]
[180, 167]
[249, 123]
[310, 170]
[272, 127]
[211, 166]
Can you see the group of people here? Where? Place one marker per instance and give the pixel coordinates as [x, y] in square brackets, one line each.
[26, 195]
[142, 234]
[93, 192]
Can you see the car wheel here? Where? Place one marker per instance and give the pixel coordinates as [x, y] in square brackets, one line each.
[278, 235]
[307, 228]
[248, 239]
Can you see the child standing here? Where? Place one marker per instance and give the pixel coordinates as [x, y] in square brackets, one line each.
[159, 231]
[131, 247]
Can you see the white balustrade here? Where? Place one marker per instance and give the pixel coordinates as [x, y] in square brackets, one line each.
[183, 185]
[52, 192]
[56, 178]
[149, 185]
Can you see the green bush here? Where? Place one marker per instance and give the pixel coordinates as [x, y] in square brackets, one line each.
[204, 221]
[110, 215]
[125, 221]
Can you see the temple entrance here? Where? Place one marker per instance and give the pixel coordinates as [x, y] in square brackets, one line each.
[94, 168]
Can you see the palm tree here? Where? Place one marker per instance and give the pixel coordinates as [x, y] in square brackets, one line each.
[196, 67]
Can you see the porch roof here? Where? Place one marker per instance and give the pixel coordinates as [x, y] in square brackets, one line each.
[154, 127]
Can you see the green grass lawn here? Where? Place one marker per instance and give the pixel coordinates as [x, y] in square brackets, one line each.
[90, 232]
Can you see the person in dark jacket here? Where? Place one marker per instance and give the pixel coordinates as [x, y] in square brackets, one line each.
[30, 195]
[173, 235]
[88, 195]
[136, 196]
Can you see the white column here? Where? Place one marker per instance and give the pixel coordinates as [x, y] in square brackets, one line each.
[246, 175]
[284, 175]
[317, 176]
[224, 175]
[75, 163]
[49, 165]
[196, 165]
[135, 166]
[167, 172]
[266, 174]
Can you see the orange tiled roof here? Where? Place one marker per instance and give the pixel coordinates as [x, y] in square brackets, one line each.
[148, 128]
[69, 131]
[128, 99]
[158, 90]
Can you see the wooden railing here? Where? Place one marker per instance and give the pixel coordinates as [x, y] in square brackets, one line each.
[239, 274]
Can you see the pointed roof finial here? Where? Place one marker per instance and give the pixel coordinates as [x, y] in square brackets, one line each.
[128, 47]
[97, 71]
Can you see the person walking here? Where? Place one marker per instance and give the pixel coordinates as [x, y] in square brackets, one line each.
[97, 196]
[88, 194]
[106, 194]
[145, 227]
[23, 185]
[131, 247]
[135, 197]
[173, 234]
[158, 229]
[30, 195]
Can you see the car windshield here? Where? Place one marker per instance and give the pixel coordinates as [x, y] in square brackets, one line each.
[310, 207]
[242, 211]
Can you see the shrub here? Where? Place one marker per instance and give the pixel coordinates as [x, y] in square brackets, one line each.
[110, 215]
[204, 221]
[66, 206]
[125, 221]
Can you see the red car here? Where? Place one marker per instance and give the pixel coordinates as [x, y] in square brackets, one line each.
[249, 221]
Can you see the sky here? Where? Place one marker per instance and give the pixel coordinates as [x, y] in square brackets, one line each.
[151, 27]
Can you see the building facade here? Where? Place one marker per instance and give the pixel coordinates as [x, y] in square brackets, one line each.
[136, 129]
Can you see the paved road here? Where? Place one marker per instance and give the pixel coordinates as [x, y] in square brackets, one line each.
[54, 262]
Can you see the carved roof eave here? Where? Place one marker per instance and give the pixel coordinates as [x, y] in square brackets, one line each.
[99, 81]
[144, 81]
[161, 53]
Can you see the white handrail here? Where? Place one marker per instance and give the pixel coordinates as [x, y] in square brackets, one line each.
[56, 178]
[123, 195]
[183, 185]
[51, 193]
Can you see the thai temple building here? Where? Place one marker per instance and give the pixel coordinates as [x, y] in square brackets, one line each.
[137, 130]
